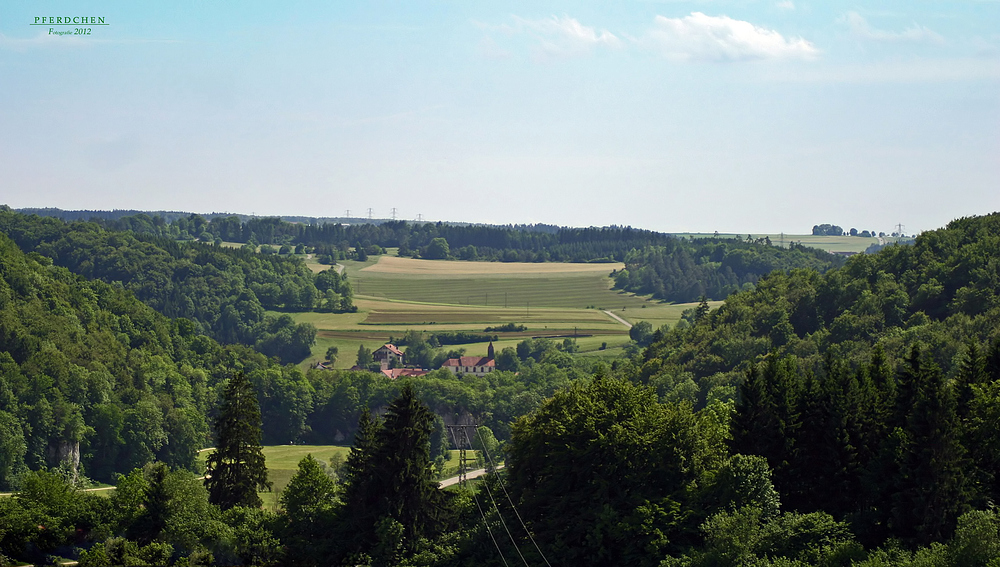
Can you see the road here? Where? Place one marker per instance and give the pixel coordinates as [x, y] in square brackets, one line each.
[471, 474]
[619, 319]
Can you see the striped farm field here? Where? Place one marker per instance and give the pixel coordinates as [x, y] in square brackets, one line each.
[491, 284]
[394, 295]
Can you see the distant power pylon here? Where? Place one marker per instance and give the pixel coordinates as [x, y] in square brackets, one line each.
[420, 217]
[348, 213]
[899, 229]
[369, 213]
[460, 437]
[394, 213]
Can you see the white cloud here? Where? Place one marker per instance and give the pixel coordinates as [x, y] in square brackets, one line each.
[564, 36]
[720, 38]
[860, 27]
[785, 5]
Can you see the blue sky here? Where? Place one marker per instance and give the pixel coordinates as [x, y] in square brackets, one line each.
[740, 116]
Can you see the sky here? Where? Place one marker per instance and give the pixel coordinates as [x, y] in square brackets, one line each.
[676, 116]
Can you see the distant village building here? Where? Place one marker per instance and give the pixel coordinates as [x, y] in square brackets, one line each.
[395, 373]
[475, 365]
[388, 355]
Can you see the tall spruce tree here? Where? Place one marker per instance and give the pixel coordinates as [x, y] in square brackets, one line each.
[388, 476]
[236, 470]
[933, 489]
[972, 372]
[405, 467]
[360, 498]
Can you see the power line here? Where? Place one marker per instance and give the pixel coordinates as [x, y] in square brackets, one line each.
[497, 508]
[487, 526]
[461, 481]
[512, 507]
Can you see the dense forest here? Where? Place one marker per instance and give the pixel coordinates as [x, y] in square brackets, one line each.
[90, 376]
[223, 291]
[845, 417]
[667, 267]
[683, 271]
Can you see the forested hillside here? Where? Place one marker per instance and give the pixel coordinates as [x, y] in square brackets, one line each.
[89, 374]
[683, 271]
[224, 292]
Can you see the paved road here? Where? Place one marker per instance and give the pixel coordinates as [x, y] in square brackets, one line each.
[471, 474]
[619, 319]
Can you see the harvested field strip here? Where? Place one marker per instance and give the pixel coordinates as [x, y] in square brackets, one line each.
[425, 318]
[411, 267]
[568, 290]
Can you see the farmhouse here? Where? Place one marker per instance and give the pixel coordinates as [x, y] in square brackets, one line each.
[388, 355]
[475, 365]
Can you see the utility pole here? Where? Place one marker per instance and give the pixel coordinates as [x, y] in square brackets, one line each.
[460, 437]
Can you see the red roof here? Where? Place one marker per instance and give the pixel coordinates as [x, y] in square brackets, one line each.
[469, 361]
[392, 349]
[397, 372]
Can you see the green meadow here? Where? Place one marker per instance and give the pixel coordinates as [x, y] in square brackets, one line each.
[282, 461]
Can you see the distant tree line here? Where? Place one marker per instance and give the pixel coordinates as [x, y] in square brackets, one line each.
[683, 271]
[510, 243]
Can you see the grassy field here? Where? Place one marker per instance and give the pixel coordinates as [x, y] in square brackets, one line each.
[394, 295]
[282, 461]
[828, 243]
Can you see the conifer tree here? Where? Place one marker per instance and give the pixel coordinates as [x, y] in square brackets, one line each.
[236, 470]
[404, 467]
[933, 488]
[389, 476]
[992, 362]
[360, 497]
[155, 506]
[971, 372]
[752, 413]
